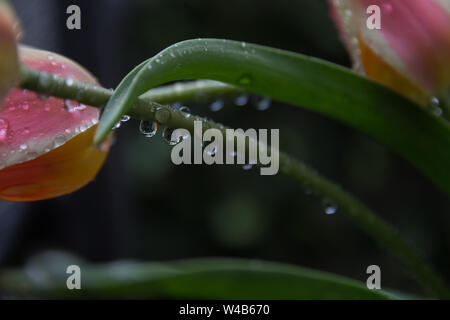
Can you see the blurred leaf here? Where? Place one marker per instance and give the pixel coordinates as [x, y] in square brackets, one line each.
[214, 278]
[414, 133]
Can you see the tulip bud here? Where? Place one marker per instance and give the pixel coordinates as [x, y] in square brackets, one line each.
[45, 142]
[410, 52]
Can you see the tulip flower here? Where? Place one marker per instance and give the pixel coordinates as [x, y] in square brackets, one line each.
[409, 53]
[46, 145]
[8, 56]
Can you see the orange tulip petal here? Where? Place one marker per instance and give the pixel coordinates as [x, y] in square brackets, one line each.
[58, 172]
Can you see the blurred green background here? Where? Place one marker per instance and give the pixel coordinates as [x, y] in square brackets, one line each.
[143, 207]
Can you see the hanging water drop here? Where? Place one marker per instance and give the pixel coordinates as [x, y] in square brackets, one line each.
[435, 106]
[263, 103]
[247, 166]
[330, 208]
[167, 136]
[184, 109]
[148, 128]
[125, 118]
[216, 105]
[241, 100]
[117, 125]
[212, 152]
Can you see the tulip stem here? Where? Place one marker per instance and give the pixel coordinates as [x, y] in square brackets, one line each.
[146, 109]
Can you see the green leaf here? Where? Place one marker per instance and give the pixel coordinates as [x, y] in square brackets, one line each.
[218, 278]
[412, 132]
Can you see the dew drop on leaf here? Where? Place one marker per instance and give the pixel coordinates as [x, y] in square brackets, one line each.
[245, 79]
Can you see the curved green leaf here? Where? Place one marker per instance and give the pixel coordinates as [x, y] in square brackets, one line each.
[414, 133]
[218, 278]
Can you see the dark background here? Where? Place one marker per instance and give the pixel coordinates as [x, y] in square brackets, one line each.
[143, 207]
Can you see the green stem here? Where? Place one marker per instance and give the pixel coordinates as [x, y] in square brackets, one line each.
[146, 109]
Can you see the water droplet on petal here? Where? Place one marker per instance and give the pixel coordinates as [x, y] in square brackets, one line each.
[4, 127]
[148, 128]
[216, 105]
[23, 147]
[59, 140]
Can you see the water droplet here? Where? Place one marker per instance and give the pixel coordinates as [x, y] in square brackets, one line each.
[216, 105]
[184, 109]
[247, 166]
[117, 125]
[23, 147]
[125, 118]
[245, 79]
[330, 208]
[212, 152]
[73, 106]
[435, 106]
[68, 82]
[148, 128]
[241, 100]
[263, 103]
[167, 136]
[4, 127]
[59, 140]
[243, 44]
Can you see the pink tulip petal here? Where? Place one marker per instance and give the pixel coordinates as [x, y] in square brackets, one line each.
[414, 38]
[31, 125]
